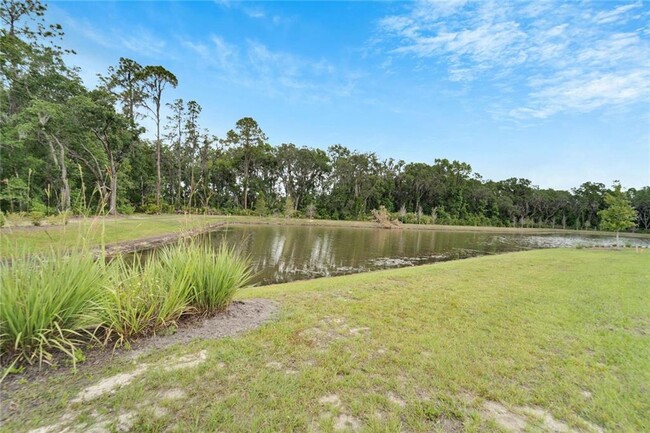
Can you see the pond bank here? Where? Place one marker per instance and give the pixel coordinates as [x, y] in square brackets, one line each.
[537, 339]
[115, 231]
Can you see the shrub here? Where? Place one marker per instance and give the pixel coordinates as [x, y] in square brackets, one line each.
[152, 294]
[36, 217]
[126, 209]
[49, 302]
[384, 218]
[61, 219]
[15, 219]
[59, 302]
[151, 209]
[2, 219]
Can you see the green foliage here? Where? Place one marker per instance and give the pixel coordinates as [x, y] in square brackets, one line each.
[126, 209]
[260, 206]
[49, 302]
[619, 213]
[213, 276]
[62, 218]
[2, 219]
[36, 217]
[144, 296]
[151, 209]
[14, 194]
[57, 302]
[289, 208]
[52, 122]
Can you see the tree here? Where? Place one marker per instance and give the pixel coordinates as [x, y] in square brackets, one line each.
[301, 170]
[175, 133]
[289, 208]
[111, 131]
[619, 213]
[156, 79]
[250, 141]
[125, 82]
[641, 202]
[192, 146]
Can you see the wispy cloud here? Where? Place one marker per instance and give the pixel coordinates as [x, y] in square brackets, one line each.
[134, 41]
[616, 14]
[255, 12]
[276, 73]
[565, 57]
[144, 43]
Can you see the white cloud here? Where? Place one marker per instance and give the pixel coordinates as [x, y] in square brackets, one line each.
[565, 56]
[276, 73]
[617, 14]
[144, 43]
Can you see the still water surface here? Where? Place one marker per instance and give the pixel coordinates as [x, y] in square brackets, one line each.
[288, 253]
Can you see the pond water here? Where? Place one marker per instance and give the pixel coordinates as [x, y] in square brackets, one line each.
[288, 253]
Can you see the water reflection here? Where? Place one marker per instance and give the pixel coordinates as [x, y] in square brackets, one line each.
[287, 253]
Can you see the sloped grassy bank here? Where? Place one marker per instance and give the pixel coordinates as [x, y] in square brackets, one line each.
[64, 302]
[550, 340]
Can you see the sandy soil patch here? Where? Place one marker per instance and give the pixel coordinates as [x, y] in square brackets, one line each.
[241, 316]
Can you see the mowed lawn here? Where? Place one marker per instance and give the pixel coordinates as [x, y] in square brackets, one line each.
[549, 340]
[92, 232]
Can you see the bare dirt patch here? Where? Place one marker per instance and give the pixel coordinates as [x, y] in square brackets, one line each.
[395, 399]
[346, 422]
[521, 418]
[240, 317]
[331, 400]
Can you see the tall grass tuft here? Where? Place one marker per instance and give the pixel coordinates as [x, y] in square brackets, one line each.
[59, 302]
[50, 302]
[187, 278]
[144, 297]
[213, 276]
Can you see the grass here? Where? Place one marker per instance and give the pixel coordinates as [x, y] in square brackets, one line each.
[109, 230]
[49, 302]
[58, 301]
[415, 349]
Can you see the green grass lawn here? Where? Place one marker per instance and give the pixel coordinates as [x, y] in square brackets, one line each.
[94, 231]
[449, 347]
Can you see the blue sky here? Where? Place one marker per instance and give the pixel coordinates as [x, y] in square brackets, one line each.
[557, 92]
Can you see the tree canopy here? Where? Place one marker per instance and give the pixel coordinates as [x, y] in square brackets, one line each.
[65, 147]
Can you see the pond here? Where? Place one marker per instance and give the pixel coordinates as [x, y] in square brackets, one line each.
[287, 253]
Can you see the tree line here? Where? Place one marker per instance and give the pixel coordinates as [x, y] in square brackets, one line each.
[67, 148]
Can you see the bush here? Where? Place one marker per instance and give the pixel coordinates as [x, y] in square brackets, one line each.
[151, 209]
[2, 219]
[50, 302]
[60, 219]
[15, 219]
[36, 217]
[126, 209]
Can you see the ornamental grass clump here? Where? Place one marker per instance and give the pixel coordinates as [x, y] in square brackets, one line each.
[144, 296]
[214, 276]
[189, 278]
[48, 303]
[60, 302]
